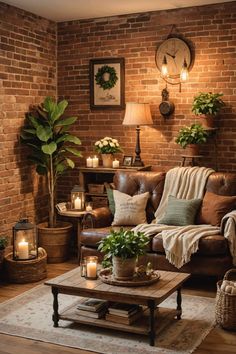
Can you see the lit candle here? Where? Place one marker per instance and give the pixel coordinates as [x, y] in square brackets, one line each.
[89, 162]
[95, 161]
[115, 163]
[23, 250]
[92, 270]
[78, 203]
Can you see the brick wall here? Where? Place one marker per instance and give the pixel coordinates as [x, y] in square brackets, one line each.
[212, 32]
[27, 75]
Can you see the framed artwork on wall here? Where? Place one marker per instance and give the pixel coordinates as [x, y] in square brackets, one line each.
[107, 83]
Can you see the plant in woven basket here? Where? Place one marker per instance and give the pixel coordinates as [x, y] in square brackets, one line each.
[123, 247]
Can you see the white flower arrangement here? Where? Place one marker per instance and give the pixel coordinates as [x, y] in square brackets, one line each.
[107, 145]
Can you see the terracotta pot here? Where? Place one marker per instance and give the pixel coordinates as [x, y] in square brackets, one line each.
[123, 269]
[207, 121]
[55, 241]
[193, 150]
[107, 160]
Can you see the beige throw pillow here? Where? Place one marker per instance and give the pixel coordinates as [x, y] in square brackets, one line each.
[130, 210]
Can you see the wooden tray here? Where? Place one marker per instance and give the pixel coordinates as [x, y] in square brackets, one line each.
[106, 276]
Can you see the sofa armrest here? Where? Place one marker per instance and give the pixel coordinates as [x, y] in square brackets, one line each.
[100, 217]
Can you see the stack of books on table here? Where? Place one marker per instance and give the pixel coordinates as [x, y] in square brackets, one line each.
[123, 313]
[93, 308]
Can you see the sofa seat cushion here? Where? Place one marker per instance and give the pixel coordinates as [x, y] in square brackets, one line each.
[91, 237]
[209, 245]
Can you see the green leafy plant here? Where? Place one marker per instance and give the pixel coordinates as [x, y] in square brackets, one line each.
[195, 134]
[3, 242]
[107, 145]
[47, 135]
[207, 103]
[124, 244]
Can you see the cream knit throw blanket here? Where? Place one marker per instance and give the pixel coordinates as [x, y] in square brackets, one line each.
[180, 242]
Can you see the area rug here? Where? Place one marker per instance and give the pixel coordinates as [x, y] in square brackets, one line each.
[29, 315]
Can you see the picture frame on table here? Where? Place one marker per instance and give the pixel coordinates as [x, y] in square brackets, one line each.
[127, 160]
[107, 83]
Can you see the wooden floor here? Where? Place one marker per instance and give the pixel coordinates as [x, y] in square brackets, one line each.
[217, 342]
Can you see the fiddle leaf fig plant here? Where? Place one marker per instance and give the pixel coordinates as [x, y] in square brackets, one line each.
[207, 103]
[195, 134]
[47, 135]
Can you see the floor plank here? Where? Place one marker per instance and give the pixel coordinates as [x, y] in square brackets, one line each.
[218, 341]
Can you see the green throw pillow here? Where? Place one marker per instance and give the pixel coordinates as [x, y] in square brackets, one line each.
[180, 212]
[111, 201]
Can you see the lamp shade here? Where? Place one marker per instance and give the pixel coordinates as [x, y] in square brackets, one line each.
[137, 114]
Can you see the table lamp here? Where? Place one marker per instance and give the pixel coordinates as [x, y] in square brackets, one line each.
[137, 114]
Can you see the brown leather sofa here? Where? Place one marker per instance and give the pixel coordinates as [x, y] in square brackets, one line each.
[213, 257]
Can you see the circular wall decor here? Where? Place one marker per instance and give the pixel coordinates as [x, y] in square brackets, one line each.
[106, 77]
[175, 50]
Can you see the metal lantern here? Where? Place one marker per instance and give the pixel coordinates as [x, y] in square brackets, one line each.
[77, 198]
[25, 241]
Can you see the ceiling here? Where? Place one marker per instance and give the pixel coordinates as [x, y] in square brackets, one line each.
[66, 10]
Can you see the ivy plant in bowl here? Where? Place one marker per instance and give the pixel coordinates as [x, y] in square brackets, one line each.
[123, 247]
[207, 105]
[192, 136]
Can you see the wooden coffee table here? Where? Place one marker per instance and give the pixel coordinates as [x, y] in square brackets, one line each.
[71, 283]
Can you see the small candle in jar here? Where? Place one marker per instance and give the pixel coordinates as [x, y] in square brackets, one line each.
[89, 207]
[77, 203]
[23, 250]
[89, 162]
[91, 269]
[95, 161]
[115, 163]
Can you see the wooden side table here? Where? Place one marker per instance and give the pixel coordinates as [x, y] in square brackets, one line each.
[192, 159]
[79, 216]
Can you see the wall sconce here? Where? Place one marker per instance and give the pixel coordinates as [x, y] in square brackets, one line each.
[137, 114]
[184, 72]
[164, 68]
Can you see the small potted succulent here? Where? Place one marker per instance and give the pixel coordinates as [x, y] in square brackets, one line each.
[3, 244]
[107, 147]
[192, 137]
[123, 247]
[207, 106]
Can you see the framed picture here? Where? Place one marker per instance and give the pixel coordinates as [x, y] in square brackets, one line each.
[107, 80]
[127, 160]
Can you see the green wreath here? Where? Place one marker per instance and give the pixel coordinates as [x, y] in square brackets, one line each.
[106, 84]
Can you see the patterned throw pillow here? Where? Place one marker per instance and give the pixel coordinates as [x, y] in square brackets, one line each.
[214, 207]
[180, 212]
[129, 210]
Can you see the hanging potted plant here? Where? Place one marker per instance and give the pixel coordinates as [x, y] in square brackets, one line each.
[123, 247]
[207, 106]
[192, 137]
[47, 135]
[107, 147]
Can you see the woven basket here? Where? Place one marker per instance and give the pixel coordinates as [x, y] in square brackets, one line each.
[226, 305]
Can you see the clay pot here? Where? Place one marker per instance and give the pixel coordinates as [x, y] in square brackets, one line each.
[207, 121]
[123, 269]
[107, 160]
[193, 150]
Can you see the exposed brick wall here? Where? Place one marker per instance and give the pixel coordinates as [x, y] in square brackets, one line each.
[212, 31]
[27, 75]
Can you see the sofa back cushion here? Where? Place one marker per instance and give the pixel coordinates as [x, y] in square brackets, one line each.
[138, 182]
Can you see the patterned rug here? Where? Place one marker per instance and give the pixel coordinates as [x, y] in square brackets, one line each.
[30, 316]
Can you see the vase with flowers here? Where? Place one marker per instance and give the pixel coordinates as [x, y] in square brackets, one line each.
[107, 147]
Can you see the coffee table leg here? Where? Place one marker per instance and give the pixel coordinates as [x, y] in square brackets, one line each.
[55, 316]
[179, 302]
[152, 332]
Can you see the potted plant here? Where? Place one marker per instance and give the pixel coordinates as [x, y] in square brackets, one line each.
[107, 147]
[192, 136]
[207, 105]
[3, 244]
[47, 135]
[123, 247]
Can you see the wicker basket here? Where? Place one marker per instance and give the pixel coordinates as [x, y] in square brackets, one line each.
[26, 271]
[226, 305]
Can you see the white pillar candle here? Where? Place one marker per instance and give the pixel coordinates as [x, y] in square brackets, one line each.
[89, 162]
[89, 207]
[115, 164]
[23, 250]
[77, 203]
[91, 269]
[95, 161]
